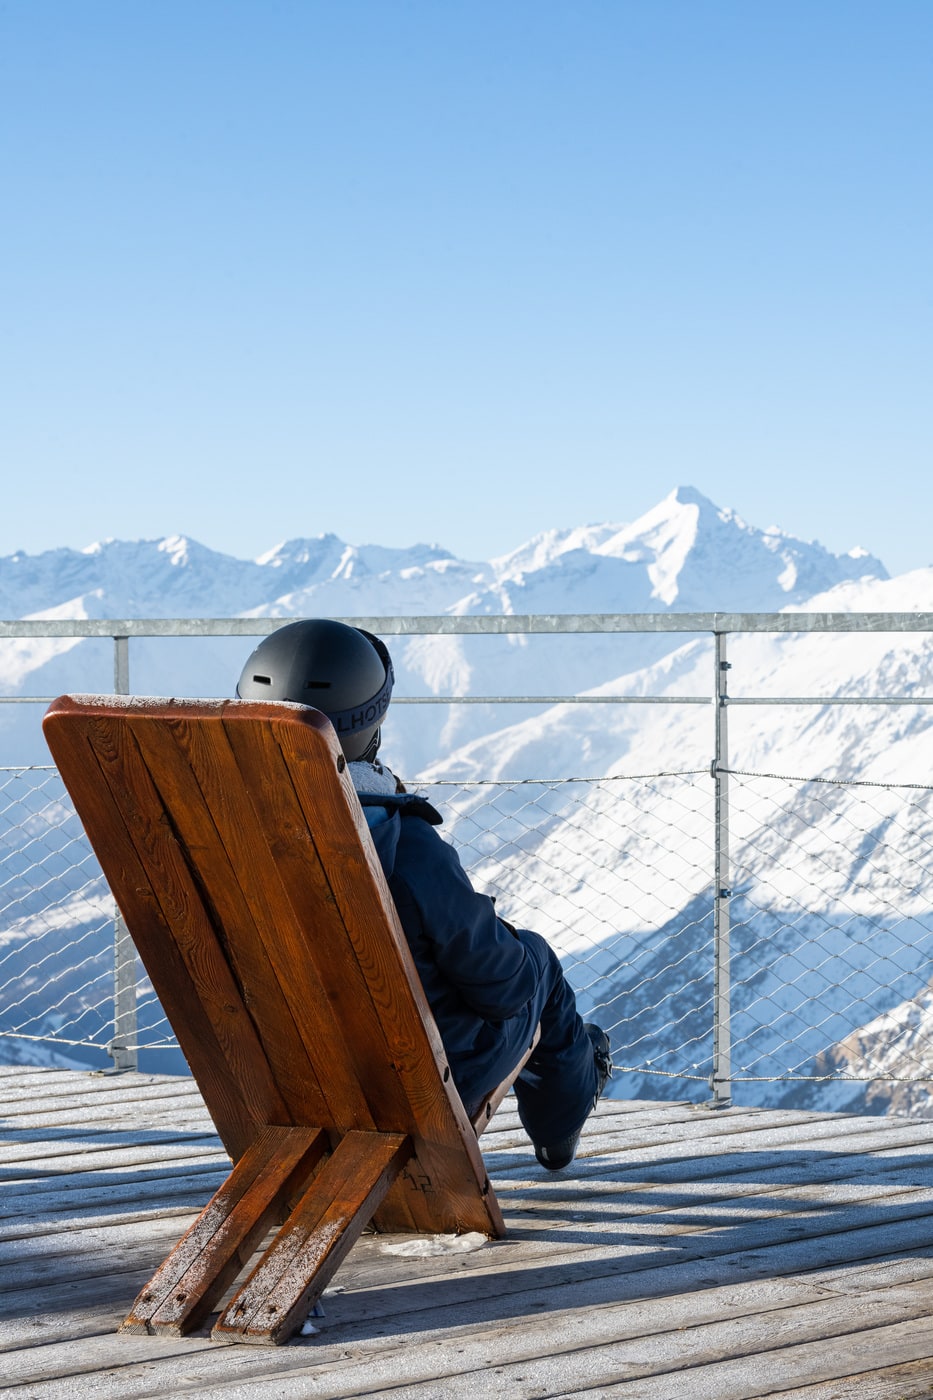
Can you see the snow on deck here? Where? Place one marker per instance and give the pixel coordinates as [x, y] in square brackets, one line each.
[712, 1255]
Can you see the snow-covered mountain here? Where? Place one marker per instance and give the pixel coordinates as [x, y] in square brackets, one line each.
[896, 1044]
[830, 903]
[831, 835]
[684, 555]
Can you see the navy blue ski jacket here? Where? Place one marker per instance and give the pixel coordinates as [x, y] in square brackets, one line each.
[480, 977]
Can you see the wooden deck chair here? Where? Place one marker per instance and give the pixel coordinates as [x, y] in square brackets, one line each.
[238, 854]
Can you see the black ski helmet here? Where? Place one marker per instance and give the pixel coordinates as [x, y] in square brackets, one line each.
[341, 670]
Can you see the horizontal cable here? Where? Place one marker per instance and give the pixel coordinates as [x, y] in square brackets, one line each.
[827, 782]
[553, 699]
[508, 624]
[467, 783]
[827, 700]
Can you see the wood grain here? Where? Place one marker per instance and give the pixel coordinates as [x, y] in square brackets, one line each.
[212, 1252]
[793, 1257]
[237, 850]
[315, 1238]
[223, 1053]
[224, 843]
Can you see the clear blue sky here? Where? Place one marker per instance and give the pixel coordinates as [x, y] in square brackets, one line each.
[463, 270]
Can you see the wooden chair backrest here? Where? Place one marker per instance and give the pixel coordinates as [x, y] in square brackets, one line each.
[238, 854]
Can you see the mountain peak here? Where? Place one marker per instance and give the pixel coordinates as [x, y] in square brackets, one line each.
[690, 496]
[702, 557]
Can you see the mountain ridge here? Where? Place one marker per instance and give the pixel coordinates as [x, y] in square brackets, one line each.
[674, 557]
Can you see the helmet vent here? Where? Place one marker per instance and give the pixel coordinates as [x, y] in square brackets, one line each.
[263, 680]
[317, 685]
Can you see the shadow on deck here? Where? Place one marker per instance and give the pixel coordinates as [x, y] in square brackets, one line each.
[764, 1252]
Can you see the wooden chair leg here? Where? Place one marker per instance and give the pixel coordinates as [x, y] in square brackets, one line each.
[326, 1222]
[207, 1259]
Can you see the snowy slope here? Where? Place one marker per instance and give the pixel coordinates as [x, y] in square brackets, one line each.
[831, 907]
[896, 1044]
[830, 929]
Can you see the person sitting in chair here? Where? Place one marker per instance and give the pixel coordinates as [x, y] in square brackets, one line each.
[488, 984]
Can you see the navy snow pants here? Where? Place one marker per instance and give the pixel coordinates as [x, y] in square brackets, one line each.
[556, 1088]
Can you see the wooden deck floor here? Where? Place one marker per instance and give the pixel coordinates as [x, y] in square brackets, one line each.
[722, 1255]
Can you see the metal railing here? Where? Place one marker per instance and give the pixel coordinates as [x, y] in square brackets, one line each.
[726, 859]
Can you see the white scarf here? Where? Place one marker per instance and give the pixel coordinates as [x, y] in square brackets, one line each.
[372, 779]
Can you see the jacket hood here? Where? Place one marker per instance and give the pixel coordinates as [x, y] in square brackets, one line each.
[384, 815]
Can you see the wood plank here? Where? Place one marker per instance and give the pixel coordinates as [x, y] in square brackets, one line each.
[209, 1256]
[139, 1198]
[216, 827]
[338, 1363]
[684, 1363]
[297, 836]
[355, 887]
[611, 1261]
[91, 758]
[706, 1150]
[315, 1238]
[554, 1355]
[620, 1244]
[608, 1227]
[610, 1269]
[181, 1114]
[617, 1256]
[690, 1307]
[341, 1334]
[909, 1381]
[313, 949]
[367, 973]
[844, 1356]
[540, 1354]
[119, 1249]
[97, 1117]
[584, 1268]
[98, 1088]
[224, 1020]
[65, 1154]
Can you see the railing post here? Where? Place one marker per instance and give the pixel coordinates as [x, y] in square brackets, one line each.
[122, 1048]
[721, 1077]
[121, 665]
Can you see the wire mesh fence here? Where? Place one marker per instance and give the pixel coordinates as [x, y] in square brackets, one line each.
[735, 930]
[831, 927]
[57, 935]
[55, 979]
